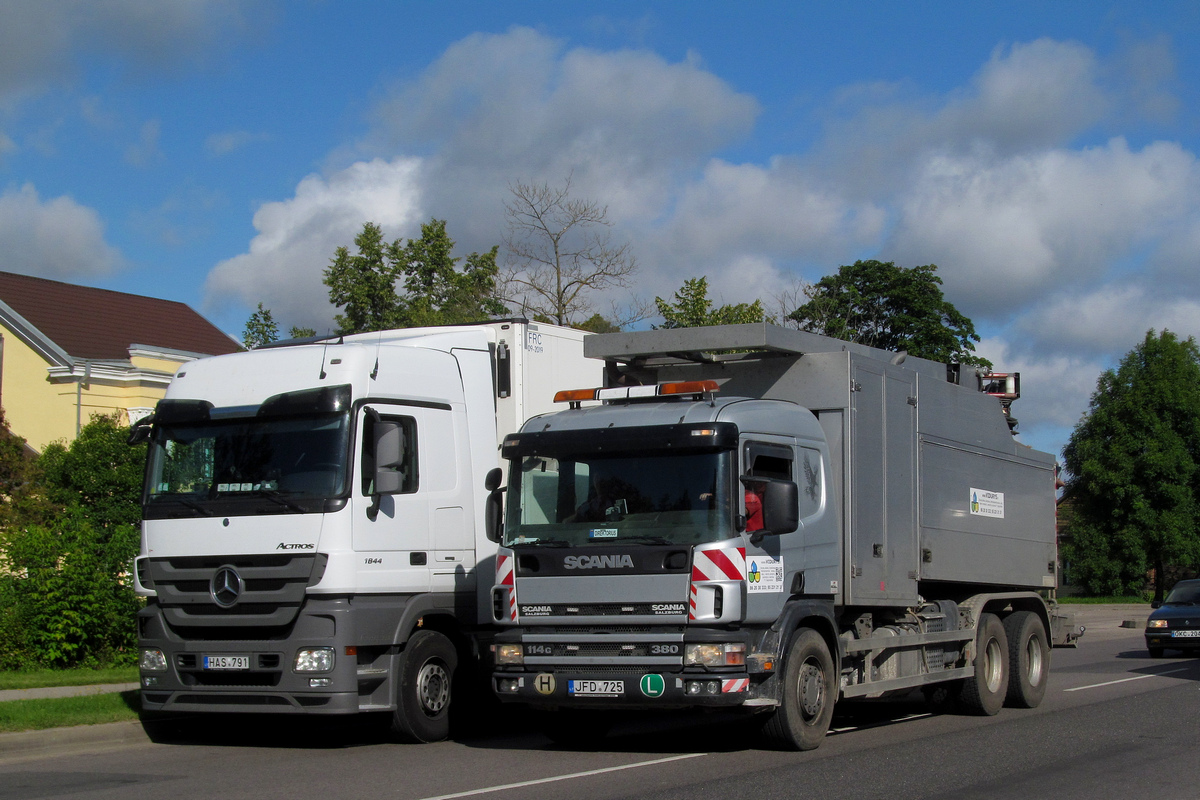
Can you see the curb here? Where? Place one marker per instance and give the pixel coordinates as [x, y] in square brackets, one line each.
[66, 691]
[109, 733]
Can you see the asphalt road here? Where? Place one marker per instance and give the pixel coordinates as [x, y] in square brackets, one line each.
[1115, 724]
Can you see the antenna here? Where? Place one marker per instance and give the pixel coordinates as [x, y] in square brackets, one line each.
[324, 350]
[375, 370]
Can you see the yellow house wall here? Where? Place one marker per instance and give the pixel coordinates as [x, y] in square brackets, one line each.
[35, 408]
[44, 411]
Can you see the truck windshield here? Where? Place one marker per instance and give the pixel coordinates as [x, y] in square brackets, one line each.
[207, 466]
[592, 499]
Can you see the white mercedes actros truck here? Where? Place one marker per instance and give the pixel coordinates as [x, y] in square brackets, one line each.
[313, 529]
[772, 520]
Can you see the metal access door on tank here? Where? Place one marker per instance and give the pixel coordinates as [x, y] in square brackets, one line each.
[883, 506]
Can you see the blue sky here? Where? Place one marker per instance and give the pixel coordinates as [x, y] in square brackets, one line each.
[215, 152]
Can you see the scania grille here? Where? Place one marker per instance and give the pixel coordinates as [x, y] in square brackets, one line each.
[603, 610]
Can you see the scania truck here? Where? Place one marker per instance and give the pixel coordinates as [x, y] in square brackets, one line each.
[313, 519]
[763, 519]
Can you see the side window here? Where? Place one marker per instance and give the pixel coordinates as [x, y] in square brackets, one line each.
[809, 479]
[763, 460]
[409, 464]
[766, 462]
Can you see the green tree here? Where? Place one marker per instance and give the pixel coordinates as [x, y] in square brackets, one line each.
[879, 304]
[365, 284]
[1134, 470]
[435, 291]
[296, 332]
[99, 472]
[598, 324]
[693, 309]
[260, 329]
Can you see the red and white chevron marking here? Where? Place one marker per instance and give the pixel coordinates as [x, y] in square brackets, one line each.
[720, 564]
[506, 576]
[735, 685]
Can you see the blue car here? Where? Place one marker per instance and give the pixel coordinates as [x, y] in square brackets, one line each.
[1175, 624]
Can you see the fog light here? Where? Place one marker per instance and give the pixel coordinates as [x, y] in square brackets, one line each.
[320, 683]
[152, 661]
[694, 687]
[713, 687]
[150, 680]
[507, 685]
[316, 659]
[509, 653]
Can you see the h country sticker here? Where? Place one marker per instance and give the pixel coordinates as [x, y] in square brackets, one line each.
[544, 683]
[652, 685]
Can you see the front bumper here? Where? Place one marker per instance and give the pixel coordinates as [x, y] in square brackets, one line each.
[1165, 640]
[631, 688]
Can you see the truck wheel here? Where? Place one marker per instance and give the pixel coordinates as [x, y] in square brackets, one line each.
[809, 692]
[983, 693]
[1028, 659]
[423, 697]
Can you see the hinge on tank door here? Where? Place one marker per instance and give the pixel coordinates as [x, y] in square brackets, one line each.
[855, 386]
[912, 401]
[855, 571]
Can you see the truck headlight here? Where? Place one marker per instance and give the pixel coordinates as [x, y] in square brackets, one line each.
[724, 654]
[509, 653]
[1156, 623]
[315, 659]
[152, 661]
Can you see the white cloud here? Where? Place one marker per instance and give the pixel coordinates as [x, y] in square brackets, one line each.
[145, 150]
[41, 42]
[1109, 320]
[57, 238]
[297, 238]
[1006, 232]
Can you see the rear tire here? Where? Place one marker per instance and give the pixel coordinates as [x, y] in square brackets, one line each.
[809, 692]
[423, 695]
[983, 693]
[1028, 659]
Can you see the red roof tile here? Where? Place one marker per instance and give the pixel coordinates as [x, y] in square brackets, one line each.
[102, 324]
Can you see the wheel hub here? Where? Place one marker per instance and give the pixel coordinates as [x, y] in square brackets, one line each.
[812, 689]
[433, 688]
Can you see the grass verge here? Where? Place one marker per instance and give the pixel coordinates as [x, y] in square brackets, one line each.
[36, 679]
[1097, 601]
[64, 712]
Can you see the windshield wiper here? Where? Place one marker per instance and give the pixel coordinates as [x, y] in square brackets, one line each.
[645, 539]
[276, 496]
[543, 543]
[194, 506]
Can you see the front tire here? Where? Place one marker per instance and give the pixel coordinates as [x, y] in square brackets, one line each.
[423, 695]
[809, 692]
[983, 693]
[1028, 659]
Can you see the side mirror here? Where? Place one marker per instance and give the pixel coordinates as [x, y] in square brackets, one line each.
[389, 456]
[141, 431]
[493, 510]
[491, 481]
[1156, 604]
[781, 507]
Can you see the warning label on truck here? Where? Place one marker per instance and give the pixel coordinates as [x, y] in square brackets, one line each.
[764, 574]
[986, 503]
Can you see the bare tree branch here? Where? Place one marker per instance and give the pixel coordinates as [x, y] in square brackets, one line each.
[559, 251]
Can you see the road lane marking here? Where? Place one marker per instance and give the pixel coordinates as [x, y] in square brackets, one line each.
[588, 773]
[1125, 680]
[869, 725]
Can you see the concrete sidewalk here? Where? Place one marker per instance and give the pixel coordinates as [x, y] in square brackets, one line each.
[64, 691]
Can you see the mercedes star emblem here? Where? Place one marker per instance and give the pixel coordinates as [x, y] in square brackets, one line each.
[226, 586]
